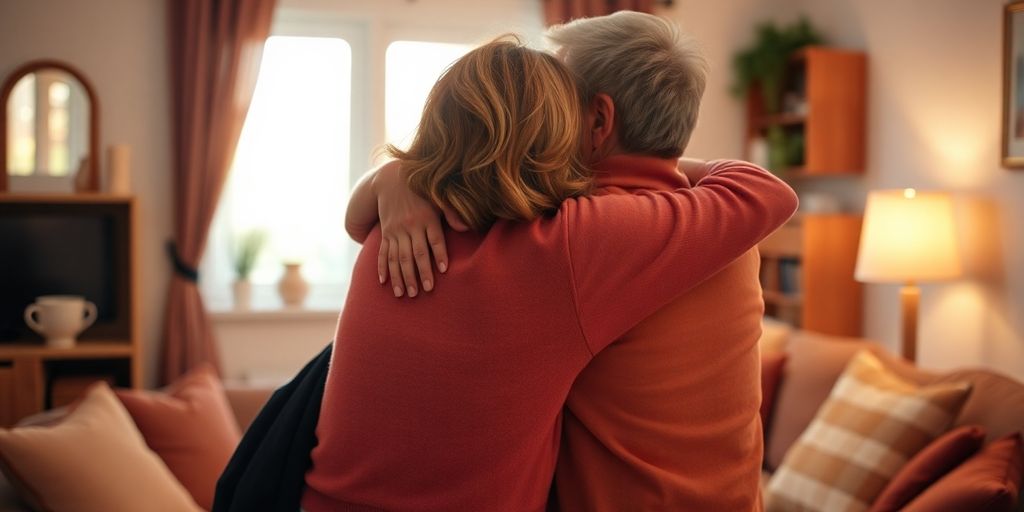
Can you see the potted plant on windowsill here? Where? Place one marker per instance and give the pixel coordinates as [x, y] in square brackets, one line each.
[245, 254]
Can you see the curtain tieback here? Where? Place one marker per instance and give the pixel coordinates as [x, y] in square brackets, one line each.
[180, 267]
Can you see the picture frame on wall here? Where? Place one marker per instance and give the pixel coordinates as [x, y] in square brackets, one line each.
[1013, 86]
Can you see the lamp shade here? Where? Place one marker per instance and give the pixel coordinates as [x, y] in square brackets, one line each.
[908, 236]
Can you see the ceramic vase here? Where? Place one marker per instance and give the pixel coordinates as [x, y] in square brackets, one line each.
[241, 291]
[293, 288]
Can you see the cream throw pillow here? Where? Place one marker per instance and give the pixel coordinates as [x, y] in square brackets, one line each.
[93, 460]
[872, 423]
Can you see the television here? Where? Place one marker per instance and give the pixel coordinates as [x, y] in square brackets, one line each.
[66, 247]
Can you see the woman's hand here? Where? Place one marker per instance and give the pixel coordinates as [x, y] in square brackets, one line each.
[411, 231]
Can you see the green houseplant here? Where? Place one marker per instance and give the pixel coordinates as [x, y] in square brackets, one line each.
[244, 253]
[764, 62]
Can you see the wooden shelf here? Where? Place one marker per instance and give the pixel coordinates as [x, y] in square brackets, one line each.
[807, 273]
[82, 350]
[30, 371]
[832, 84]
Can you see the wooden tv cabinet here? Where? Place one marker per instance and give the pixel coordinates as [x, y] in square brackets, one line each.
[29, 370]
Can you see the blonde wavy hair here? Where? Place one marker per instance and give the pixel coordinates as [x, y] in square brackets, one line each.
[499, 137]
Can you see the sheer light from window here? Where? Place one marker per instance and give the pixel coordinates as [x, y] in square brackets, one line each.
[411, 68]
[290, 176]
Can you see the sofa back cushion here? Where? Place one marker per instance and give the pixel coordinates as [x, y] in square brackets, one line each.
[815, 361]
[872, 423]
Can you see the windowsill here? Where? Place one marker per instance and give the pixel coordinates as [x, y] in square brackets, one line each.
[323, 303]
[285, 313]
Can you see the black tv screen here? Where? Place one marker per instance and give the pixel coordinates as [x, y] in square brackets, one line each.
[63, 249]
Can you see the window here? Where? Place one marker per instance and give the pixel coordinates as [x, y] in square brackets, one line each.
[411, 68]
[290, 176]
[318, 112]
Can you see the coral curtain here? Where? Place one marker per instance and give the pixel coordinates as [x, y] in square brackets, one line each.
[561, 11]
[216, 46]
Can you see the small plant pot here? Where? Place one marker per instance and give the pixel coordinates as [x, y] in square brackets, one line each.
[241, 291]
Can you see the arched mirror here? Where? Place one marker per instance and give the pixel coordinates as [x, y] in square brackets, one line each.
[49, 137]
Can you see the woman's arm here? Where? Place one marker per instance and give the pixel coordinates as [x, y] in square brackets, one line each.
[630, 254]
[411, 228]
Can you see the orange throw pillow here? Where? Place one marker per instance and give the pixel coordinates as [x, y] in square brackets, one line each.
[938, 458]
[190, 426]
[989, 481]
[93, 460]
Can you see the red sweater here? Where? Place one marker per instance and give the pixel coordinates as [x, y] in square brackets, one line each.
[666, 418]
[452, 401]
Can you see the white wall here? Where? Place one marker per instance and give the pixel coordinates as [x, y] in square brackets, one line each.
[935, 86]
[120, 46]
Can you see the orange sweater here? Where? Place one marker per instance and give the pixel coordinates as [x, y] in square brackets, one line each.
[666, 418]
[453, 401]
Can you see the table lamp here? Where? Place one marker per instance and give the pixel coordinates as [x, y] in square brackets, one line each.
[907, 238]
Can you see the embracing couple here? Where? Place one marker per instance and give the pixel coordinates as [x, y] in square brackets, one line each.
[588, 340]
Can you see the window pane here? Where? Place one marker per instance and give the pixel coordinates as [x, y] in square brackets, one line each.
[290, 176]
[21, 138]
[411, 68]
[57, 126]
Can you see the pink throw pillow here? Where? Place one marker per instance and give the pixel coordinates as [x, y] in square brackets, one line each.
[190, 426]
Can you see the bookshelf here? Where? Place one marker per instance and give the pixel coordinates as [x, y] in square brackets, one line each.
[823, 116]
[807, 274]
[35, 377]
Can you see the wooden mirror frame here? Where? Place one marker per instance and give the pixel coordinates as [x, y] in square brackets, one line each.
[93, 183]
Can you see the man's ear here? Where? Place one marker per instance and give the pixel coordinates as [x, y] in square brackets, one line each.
[601, 124]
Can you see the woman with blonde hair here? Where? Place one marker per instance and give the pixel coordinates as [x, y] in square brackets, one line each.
[453, 402]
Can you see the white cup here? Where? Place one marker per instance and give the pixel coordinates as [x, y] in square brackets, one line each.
[59, 318]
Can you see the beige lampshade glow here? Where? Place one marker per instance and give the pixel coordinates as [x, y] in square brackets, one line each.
[908, 236]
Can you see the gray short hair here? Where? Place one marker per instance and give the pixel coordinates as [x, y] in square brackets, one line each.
[654, 74]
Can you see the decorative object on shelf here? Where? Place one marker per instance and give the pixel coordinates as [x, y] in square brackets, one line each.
[82, 176]
[119, 169]
[32, 96]
[764, 63]
[819, 203]
[1013, 85]
[293, 287]
[59, 318]
[244, 257]
[908, 238]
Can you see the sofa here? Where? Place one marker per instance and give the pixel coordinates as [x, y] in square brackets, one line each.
[814, 362]
[245, 403]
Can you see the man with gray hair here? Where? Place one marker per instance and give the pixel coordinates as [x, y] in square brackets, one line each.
[666, 418]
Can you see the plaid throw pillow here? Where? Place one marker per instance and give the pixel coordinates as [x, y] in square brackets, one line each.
[872, 423]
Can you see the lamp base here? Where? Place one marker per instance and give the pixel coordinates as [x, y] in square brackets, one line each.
[910, 297]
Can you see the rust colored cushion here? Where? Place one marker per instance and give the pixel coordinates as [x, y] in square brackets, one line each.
[94, 460]
[771, 372]
[989, 481]
[929, 465]
[190, 426]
